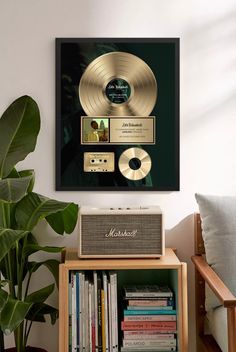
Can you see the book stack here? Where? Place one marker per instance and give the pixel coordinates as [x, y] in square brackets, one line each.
[149, 322]
[93, 316]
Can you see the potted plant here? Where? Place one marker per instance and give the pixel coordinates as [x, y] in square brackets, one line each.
[20, 211]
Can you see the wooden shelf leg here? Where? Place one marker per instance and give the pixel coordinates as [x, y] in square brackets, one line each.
[63, 308]
[231, 324]
[185, 305]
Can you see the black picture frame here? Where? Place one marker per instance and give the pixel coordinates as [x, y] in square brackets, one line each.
[174, 184]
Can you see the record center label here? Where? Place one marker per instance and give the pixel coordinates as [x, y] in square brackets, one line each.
[132, 130]
[118, 91]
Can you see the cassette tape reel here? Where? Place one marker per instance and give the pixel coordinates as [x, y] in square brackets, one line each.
[99, 162]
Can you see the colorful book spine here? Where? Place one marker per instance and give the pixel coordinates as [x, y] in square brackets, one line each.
[149, 349]
[77, 311]
[93, 318]
[148, 291]
[128, 335]
[150, 318]
[86, 316]
[140, 308]
[148, 312]
[137, 333]
[70, 316]
[148, 325]
[110, 316]
[162, 302]
[116, 312]
[73, 314]
[90, 317]
[103, 322]
[99, 299]
[105, 287]
[149, 343]
[81, 315]
[113, 281]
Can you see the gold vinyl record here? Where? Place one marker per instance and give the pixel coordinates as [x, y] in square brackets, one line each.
[135, 164]
[118, 84]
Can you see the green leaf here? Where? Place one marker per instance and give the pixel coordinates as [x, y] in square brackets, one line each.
[41, 295]
[64, 221]
[24, 173]
[34, 207]
[3, 299]
[39, 310]
[12, 190]
[13, 174]
[13, 313]
[8, 239]
[33, 248]
[51, 264]
[19, 128]
[31, 173]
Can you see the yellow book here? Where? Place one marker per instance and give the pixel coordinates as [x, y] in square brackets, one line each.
[103, 322]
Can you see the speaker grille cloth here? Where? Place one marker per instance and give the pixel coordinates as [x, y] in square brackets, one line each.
[148, 239]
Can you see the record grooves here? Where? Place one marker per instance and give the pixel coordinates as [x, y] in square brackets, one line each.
[118, 84]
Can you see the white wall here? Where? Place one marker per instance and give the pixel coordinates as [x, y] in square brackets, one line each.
[207, 90]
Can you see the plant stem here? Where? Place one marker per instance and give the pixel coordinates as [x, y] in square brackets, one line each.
[21, 268]
[19, 291]
[7, 259]
[27, 333]
[27, 285]
[19, 338]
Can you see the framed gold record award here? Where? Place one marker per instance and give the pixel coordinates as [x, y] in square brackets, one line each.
[117, 114]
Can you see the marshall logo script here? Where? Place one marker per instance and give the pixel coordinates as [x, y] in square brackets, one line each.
[117, 233]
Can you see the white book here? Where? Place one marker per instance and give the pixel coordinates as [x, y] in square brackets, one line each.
[73, 314]
[83, 342]
[95, 278]
[149, 343]
[148, 336]
[113, 313]
[70, 313]
[146, 349]
[86, 317]
[110, 317]
[149, 332]
[93, 318]
[77, 310]
[90, 317]
[81, 311]
[115, 310]
[106, 310]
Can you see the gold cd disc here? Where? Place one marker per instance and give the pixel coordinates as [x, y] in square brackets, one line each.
[118, 84]
[135, 164]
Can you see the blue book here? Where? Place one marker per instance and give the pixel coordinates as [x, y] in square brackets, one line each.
[149, 312]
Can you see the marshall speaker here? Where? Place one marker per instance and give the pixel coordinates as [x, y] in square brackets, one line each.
[121, 232]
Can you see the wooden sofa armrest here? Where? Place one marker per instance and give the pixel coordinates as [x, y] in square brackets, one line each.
[215, 283]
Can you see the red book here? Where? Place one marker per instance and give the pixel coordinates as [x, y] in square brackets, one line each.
[148, 325]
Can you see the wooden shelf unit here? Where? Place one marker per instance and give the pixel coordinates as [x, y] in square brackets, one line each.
[168, 267]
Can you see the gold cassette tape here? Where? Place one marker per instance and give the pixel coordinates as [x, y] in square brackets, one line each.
[99, 162]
